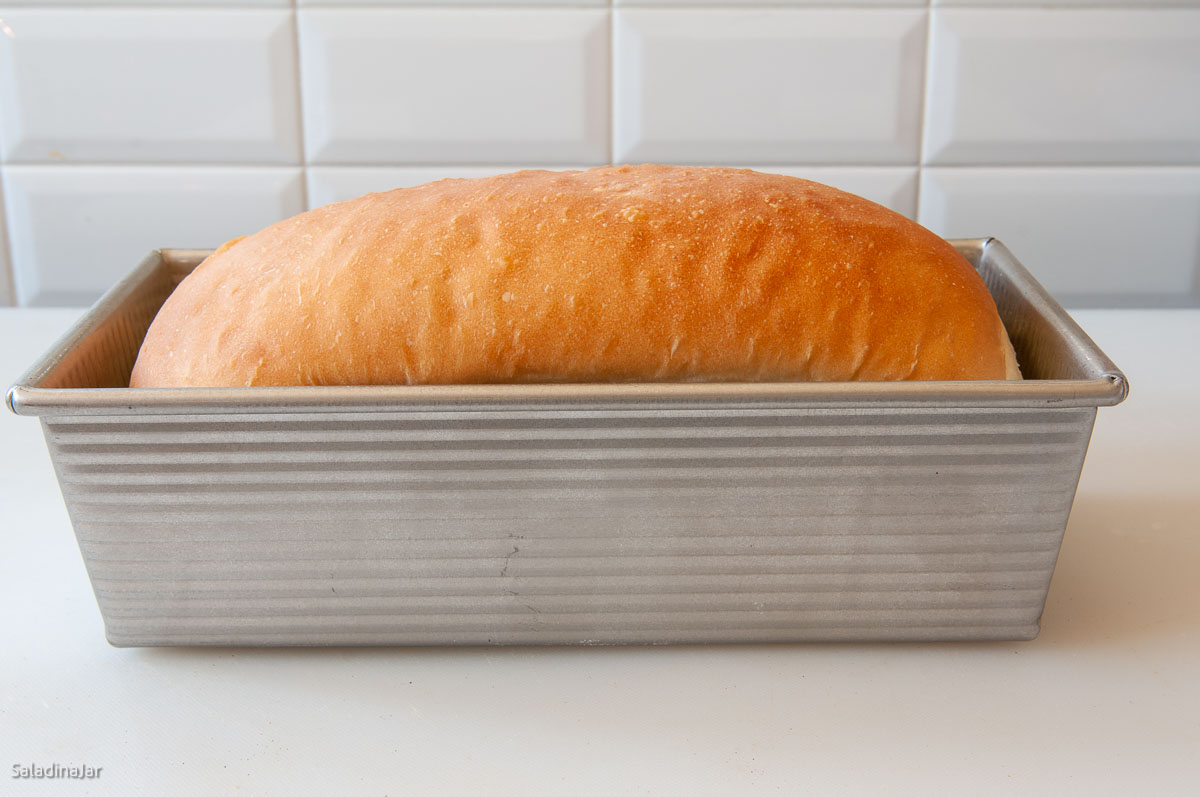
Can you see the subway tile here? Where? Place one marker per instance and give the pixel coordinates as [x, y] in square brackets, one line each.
[1063, 86]
[161, 85]
[1114, 236]
[157, 4]
[335, 183]
[75, 230]
[481, 3]
[760, 3]
[154, 3]
[1077, 3]
[768, 85]
[462, 86]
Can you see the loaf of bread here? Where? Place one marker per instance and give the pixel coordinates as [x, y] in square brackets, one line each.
[616, 274]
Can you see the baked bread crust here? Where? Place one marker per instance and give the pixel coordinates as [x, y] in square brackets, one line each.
[616, 274]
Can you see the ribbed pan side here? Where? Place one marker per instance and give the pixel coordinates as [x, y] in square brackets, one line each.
[578, 527]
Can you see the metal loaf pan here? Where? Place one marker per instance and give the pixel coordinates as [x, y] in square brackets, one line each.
[569, 513]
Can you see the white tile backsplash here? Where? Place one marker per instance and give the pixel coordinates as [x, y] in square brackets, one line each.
[158, 3]
[1069, 129]
[160, 85]
[1091, 236]
[446, 86]
[1070, 3]
[1061, 86]
[450, 3]
[76, 229]
[761, 3]
[768, 85]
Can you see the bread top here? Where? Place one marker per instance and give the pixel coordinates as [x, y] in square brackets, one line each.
[616, 274]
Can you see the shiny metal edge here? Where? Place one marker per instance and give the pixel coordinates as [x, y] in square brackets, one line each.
[1105, 385]
[1094, 359]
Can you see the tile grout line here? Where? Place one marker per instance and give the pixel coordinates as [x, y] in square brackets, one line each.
[612, 81]
[301, 139]
[926, 102]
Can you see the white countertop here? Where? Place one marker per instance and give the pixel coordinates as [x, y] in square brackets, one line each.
[1105, 701]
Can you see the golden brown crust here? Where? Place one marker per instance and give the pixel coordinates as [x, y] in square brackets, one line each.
[631, 273]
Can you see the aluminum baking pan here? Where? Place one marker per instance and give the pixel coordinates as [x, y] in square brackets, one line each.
[569, 513]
